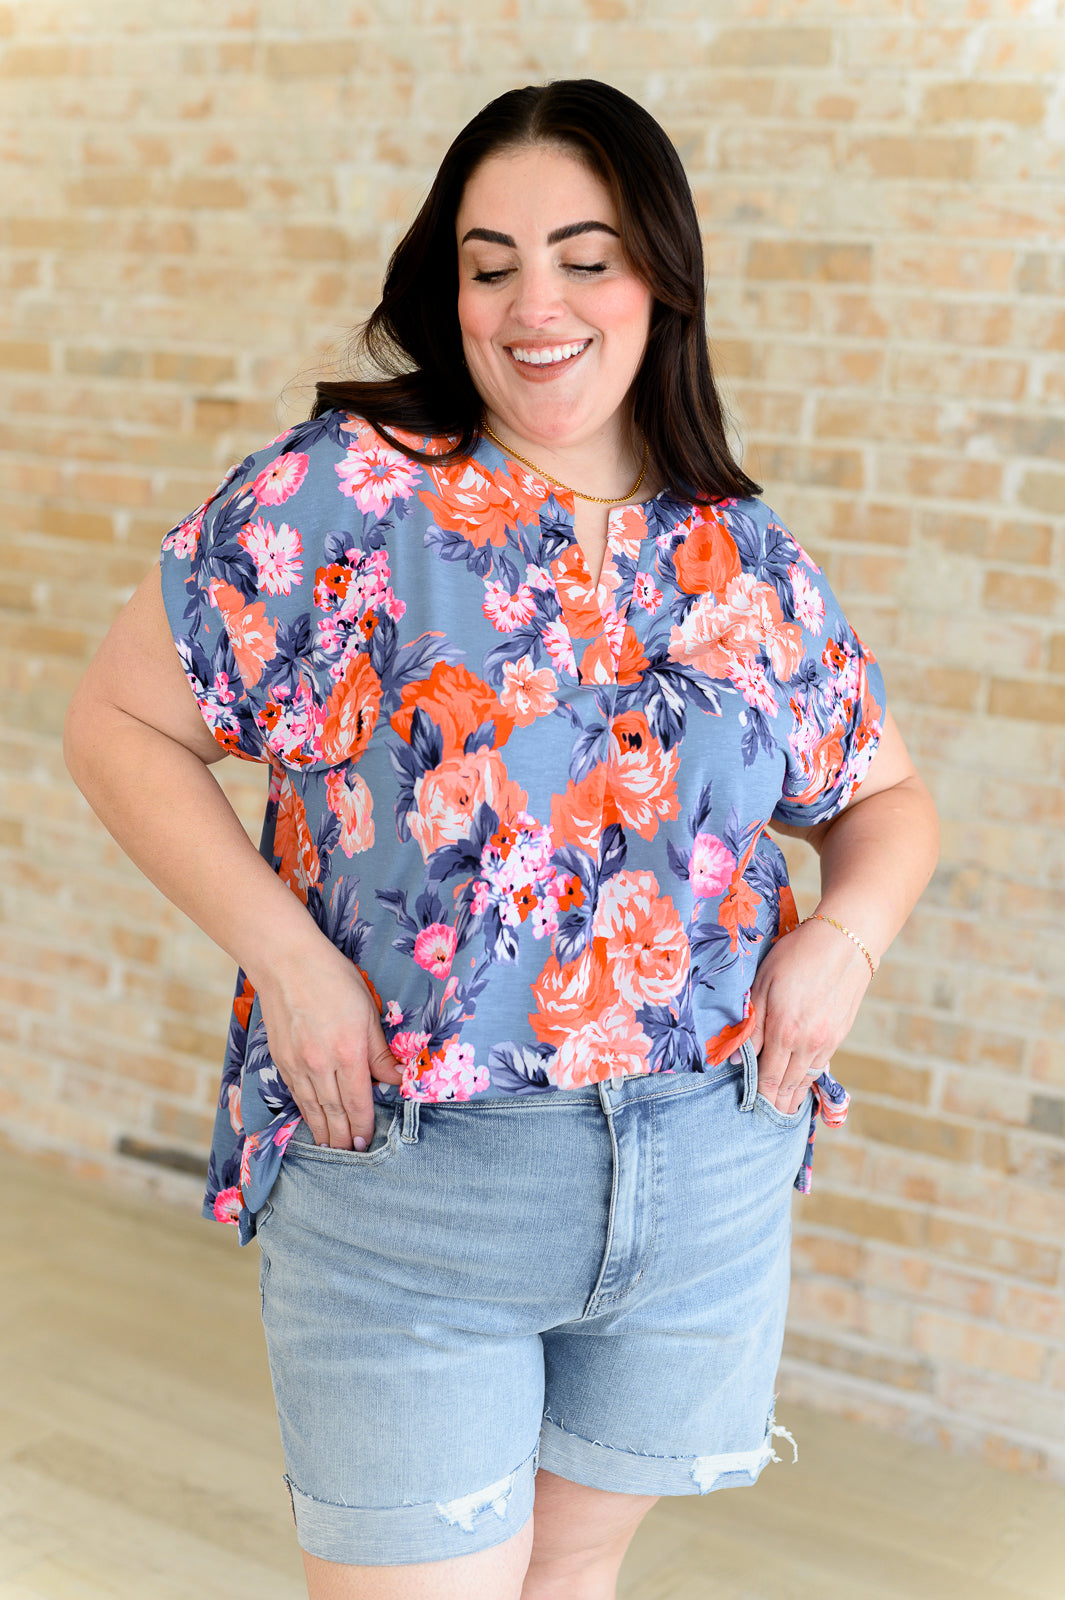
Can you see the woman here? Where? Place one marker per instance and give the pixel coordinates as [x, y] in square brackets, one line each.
[526, 1038]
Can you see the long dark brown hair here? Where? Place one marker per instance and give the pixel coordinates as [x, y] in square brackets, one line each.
[414, 336]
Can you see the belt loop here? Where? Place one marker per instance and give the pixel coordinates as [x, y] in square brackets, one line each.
[409, 1134]
[750, 1076]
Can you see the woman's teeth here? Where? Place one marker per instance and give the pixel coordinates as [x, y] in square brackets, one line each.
[546, 357]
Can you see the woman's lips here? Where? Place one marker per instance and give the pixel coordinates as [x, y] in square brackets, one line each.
[545, 371]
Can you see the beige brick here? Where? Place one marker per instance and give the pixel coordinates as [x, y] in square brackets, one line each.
[81, 525]
[899, 156]
[770, 46]
[1022, 543]
[935, 1136]
[896, 1372]
[1004, 1253]
[110, 189]
[827, 263]
[891, 1078]
[1027, 701]
[974, 101]
[975, 1346]
[24, 355]
[204, 192]
[1045, 491]
[1011, 591]
[947, 372]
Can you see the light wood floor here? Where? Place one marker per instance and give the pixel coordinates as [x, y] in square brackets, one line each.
[139, 1459]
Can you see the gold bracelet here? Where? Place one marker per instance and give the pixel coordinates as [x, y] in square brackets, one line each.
[819, 916]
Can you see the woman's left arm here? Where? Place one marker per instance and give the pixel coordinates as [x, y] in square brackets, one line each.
[877, 855]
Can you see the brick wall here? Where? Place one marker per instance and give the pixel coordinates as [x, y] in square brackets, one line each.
[202, 197]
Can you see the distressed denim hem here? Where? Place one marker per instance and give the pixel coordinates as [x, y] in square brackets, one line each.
[624, 1472]
[393, 1536]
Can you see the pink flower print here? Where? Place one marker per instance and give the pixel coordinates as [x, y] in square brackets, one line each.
[373, 475]
[645, 593]
[277, 553]
[279, 481]
[186, 536]
[407, 1047]
[234, 1109]
[450, 987]
[559, 647]
[506, 611]
[285, 1132]
[711, 866]
[809, 602]
[538, 577]
[395, 607]
[229, 1203]
[527, 694]
[452, 1075]
[434, 949]
[481, 897]
[749, 677]
[393, 1016]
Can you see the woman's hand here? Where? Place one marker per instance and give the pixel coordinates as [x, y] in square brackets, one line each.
[805, 998]
[327, 1043]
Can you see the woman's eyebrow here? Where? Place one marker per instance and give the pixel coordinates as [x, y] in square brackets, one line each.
[556, 236]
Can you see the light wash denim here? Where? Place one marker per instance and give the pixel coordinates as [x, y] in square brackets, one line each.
[592, 1281]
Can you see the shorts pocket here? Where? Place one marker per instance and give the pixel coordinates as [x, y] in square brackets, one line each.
[753, 1100]
[781, 1119]
[385, 1141]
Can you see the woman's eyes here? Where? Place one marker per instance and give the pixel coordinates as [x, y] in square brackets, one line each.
[499, 273]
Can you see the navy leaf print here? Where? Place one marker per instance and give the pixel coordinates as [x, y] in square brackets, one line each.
[426, 742]
[678, 862]
[520, 1069]
[586, 751]
[757, 735]
[613, 851]
[482, 738]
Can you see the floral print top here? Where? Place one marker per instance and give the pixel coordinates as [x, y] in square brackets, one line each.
[531, 808]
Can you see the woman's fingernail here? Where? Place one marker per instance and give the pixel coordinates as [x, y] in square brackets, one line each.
[360, 1144]
[736, 1059]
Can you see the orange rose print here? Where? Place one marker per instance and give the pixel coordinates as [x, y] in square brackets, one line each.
[613, 1043]
[643, 937]
[254, 640]
[448, 795]
[569, 996]
[748, 620]
[351, 711]
[349, 798]
[457, 702]
[477, 504]
[576, 596]
[635, 786]
[708, 560]
[300, 867]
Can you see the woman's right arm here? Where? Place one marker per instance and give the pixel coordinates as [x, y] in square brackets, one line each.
[139, 751]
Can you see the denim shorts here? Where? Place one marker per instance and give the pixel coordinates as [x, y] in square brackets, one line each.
[593, 1281]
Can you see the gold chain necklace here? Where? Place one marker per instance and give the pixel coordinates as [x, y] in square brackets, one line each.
[598, 499]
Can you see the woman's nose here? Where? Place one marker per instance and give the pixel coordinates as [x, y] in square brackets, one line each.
[536, 298]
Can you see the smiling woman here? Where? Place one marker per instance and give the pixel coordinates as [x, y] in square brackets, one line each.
[527, 1045]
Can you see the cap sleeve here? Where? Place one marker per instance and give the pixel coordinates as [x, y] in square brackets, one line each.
[256, 610]
[835, 702]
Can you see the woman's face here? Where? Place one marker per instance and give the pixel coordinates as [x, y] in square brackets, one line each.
[554, 321]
